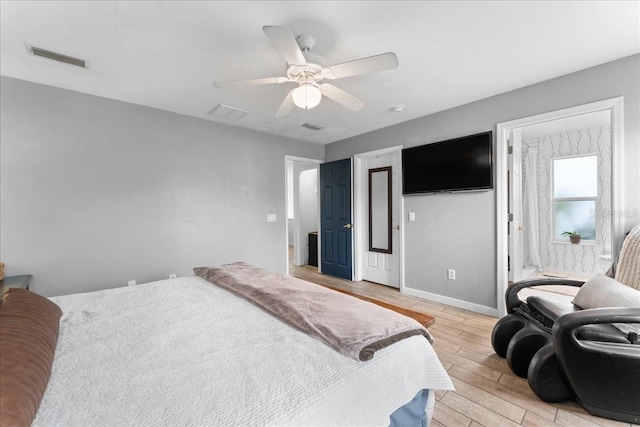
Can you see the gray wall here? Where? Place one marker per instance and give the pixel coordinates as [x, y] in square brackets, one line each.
[458, 231]
[95, 192]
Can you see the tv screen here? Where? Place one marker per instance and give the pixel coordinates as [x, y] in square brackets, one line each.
[461, 164]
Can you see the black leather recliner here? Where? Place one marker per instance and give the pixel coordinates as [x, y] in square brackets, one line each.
[566, 352]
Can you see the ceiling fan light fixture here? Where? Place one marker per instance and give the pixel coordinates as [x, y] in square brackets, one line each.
[308, 69]
[306, 96]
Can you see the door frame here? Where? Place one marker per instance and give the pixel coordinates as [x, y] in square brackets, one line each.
[514, 163]
[296, 218]
[361, 208]
[615, 108]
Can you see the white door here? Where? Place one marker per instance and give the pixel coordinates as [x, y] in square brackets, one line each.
[383, 268]
[516, 226]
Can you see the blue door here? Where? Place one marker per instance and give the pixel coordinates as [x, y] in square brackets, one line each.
[335, 221]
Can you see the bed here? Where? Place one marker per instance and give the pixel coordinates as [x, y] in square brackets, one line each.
[187, 352]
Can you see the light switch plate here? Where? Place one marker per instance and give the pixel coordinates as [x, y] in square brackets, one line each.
[271, 217]
[412, 216]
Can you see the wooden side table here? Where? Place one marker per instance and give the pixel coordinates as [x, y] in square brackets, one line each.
[15, 282]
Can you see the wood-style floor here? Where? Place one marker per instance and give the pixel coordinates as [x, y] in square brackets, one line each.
[487, 392]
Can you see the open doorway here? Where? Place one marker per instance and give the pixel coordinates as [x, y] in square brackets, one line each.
[561, 183]
[561, 172]
[302, 206]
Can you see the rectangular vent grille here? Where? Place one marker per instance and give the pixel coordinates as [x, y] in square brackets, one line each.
[229, 113]
[44, 53]
[312, 126]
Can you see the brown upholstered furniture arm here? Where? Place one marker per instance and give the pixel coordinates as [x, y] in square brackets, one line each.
[29, 325]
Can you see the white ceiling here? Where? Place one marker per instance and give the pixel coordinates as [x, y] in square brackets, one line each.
[167, 54]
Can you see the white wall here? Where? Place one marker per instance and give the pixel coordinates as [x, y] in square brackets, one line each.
[95, 192]
[306, 208]
[458, 230]
[308, 205]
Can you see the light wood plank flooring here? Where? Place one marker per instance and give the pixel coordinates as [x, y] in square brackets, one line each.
[487, 393]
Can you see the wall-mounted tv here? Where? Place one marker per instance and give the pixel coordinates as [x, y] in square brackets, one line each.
[461, 164]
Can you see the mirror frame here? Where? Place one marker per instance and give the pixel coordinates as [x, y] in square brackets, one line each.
[387, 170]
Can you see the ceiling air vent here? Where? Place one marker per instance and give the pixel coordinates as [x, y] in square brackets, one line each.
[44, 53]
[227, 112]
[312, 126]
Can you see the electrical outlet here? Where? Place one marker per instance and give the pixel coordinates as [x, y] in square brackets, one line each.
[131, 283]
[271, 217]
[172, 276]
[451, 274]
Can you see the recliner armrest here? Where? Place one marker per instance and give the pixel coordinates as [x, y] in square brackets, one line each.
[593, 316]
[511, 296]
[604, 376]
[564, 327]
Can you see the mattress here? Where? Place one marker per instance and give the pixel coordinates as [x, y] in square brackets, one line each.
[185, 352]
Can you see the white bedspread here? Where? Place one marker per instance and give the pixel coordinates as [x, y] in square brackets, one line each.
[184, 352]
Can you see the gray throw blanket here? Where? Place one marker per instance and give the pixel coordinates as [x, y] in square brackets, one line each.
[351, 326]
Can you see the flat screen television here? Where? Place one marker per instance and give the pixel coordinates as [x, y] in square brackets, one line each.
[461, 164]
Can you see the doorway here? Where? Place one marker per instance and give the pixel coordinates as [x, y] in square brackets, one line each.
[375, 262]
[302, 207]
[529, 156]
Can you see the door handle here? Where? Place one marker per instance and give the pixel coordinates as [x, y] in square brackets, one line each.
[520, 228]
[397, 227]
[346, 226]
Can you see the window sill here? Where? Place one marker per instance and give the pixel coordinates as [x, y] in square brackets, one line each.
[582, 243]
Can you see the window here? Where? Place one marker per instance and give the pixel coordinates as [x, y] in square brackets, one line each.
[575, 194]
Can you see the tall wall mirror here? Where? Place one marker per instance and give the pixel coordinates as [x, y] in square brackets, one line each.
[380, 210]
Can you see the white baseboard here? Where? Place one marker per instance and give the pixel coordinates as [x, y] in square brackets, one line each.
[477, 308]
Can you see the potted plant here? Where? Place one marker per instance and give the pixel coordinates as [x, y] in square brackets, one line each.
[573, 236]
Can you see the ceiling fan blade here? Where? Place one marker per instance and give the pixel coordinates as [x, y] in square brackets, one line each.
[264, 81]
[287, 105]
[286, 44]
[341, 97]
[384, 61]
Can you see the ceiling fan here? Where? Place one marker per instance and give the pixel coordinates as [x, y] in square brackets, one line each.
[307, 70]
